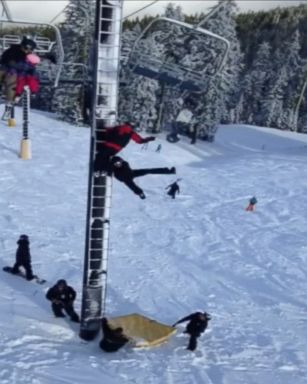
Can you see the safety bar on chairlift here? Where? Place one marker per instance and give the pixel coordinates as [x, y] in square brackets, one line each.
[191, 27]
[60, 58]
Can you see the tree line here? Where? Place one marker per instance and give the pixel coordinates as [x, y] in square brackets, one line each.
[263, 82]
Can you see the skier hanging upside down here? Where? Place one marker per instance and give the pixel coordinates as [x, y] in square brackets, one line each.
[114, 140]
[122, 172]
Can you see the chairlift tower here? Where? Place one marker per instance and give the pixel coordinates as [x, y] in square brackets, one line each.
[105, 74]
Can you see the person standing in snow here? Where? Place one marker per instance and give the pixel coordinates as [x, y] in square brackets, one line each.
[113, 339]
[252, 204]
[197, 324]
[62, 296]
[113, 140]
[173, 189]
[122, 172]
[23, 257]
[159, 147]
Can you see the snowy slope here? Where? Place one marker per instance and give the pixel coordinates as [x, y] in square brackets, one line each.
[168, 258]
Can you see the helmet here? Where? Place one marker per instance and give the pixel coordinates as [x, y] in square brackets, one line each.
[61, 282]
[24, 238]
[28, 43]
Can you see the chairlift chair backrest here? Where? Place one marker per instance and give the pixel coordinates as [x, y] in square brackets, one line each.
[167, 50]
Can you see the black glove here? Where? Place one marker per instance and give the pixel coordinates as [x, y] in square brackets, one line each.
[150, 138]
[51, 57]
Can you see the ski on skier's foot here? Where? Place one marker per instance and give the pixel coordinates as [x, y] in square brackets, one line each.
[36, 279]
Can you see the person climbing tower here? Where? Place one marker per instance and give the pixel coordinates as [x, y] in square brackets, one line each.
[113, 140]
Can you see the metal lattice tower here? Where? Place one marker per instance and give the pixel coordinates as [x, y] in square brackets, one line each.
[105, 73]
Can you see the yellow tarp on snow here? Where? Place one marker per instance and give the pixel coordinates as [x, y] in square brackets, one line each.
[143, 331]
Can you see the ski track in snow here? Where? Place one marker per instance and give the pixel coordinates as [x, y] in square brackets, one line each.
[167, 258]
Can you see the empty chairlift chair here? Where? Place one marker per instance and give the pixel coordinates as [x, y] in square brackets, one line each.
[178, 54]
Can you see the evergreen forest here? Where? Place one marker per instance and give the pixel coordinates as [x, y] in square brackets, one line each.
[263, 81]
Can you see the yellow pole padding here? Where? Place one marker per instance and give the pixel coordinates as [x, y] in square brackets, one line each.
[25, 149]
[143, 331]
[11, 123]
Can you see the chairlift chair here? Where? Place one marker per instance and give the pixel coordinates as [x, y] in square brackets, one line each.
[166, 64]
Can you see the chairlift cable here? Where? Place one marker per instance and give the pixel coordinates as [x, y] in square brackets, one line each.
[6, 10]
[59, 14]
[141, 9]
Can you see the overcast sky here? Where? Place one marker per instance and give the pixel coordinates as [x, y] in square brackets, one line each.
[45, 11]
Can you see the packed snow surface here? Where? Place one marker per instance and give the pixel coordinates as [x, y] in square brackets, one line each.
[168, 258]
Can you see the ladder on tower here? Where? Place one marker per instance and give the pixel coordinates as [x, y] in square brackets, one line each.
[105, 80]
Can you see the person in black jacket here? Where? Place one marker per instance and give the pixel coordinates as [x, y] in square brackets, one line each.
[173, 189]
[113, 339]
[13, 63]
[23, 257]
[122, 172]
[198, 323]
[62, 296]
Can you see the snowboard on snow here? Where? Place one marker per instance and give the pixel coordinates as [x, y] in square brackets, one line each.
[37, 279]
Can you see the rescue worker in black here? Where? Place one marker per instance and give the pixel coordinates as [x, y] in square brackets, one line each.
[113, 339]
[122, 172]
[198, 323]
[62, 296]
[23, 257]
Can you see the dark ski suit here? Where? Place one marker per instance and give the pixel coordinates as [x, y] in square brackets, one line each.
[13, 64]
[113, 339]
[122, 172]
[112, 140]
[198, 323]
[173, 189]
[62, 296]
[23, 257]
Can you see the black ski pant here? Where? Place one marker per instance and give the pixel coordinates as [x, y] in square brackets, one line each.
[142, 172]
[27, 266]
[57, 308]
[172, 194]
[102, 159]
[192, 343]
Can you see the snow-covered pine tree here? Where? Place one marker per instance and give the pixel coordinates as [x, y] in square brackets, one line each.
[278, 106]
[76, 31]
[223, 23]
[255, 84]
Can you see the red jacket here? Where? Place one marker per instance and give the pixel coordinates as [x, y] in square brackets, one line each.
[118, 137]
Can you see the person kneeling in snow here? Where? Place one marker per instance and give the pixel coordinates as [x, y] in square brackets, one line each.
[113, 339]
[62, 296]
[122, 172]
[198, 323]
